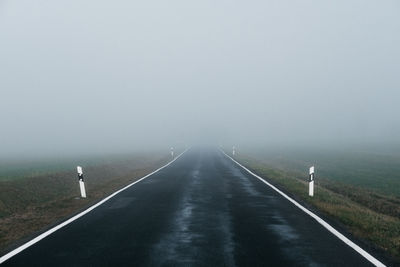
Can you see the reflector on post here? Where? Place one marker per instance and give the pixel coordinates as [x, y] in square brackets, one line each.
[172, 152]
[80, 172]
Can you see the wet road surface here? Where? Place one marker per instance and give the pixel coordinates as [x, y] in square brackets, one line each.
[202, 210]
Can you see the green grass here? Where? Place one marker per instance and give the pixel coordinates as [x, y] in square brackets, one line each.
[11, 169]
[372, 169]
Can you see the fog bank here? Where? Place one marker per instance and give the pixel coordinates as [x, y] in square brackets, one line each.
[120, 76]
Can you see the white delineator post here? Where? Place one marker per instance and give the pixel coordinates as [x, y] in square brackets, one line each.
[81, 183]
[311, 182]
[233, 151]
[172, 152]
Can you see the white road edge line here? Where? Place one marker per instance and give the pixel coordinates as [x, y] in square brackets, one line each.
[350, 243]
[61, 225]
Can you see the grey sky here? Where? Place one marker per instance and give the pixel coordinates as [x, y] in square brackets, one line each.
[110, 75]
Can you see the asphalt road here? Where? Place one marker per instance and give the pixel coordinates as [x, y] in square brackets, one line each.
[202, 210]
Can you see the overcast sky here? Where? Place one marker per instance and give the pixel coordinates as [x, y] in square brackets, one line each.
[117, 75]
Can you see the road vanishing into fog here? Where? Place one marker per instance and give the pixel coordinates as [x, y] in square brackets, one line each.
[202, 210]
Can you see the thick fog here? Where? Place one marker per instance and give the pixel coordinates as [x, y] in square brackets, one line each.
[124, 75]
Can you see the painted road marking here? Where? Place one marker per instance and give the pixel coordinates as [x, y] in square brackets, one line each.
[339, 235]
[61, 225]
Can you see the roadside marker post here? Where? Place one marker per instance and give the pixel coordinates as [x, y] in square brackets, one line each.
[233, 151]
[172, 152]
[81, 183]
[311, 182]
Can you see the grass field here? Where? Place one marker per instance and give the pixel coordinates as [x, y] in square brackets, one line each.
[372, 168]
[16, 168]
[358, 188]
[37, 193]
